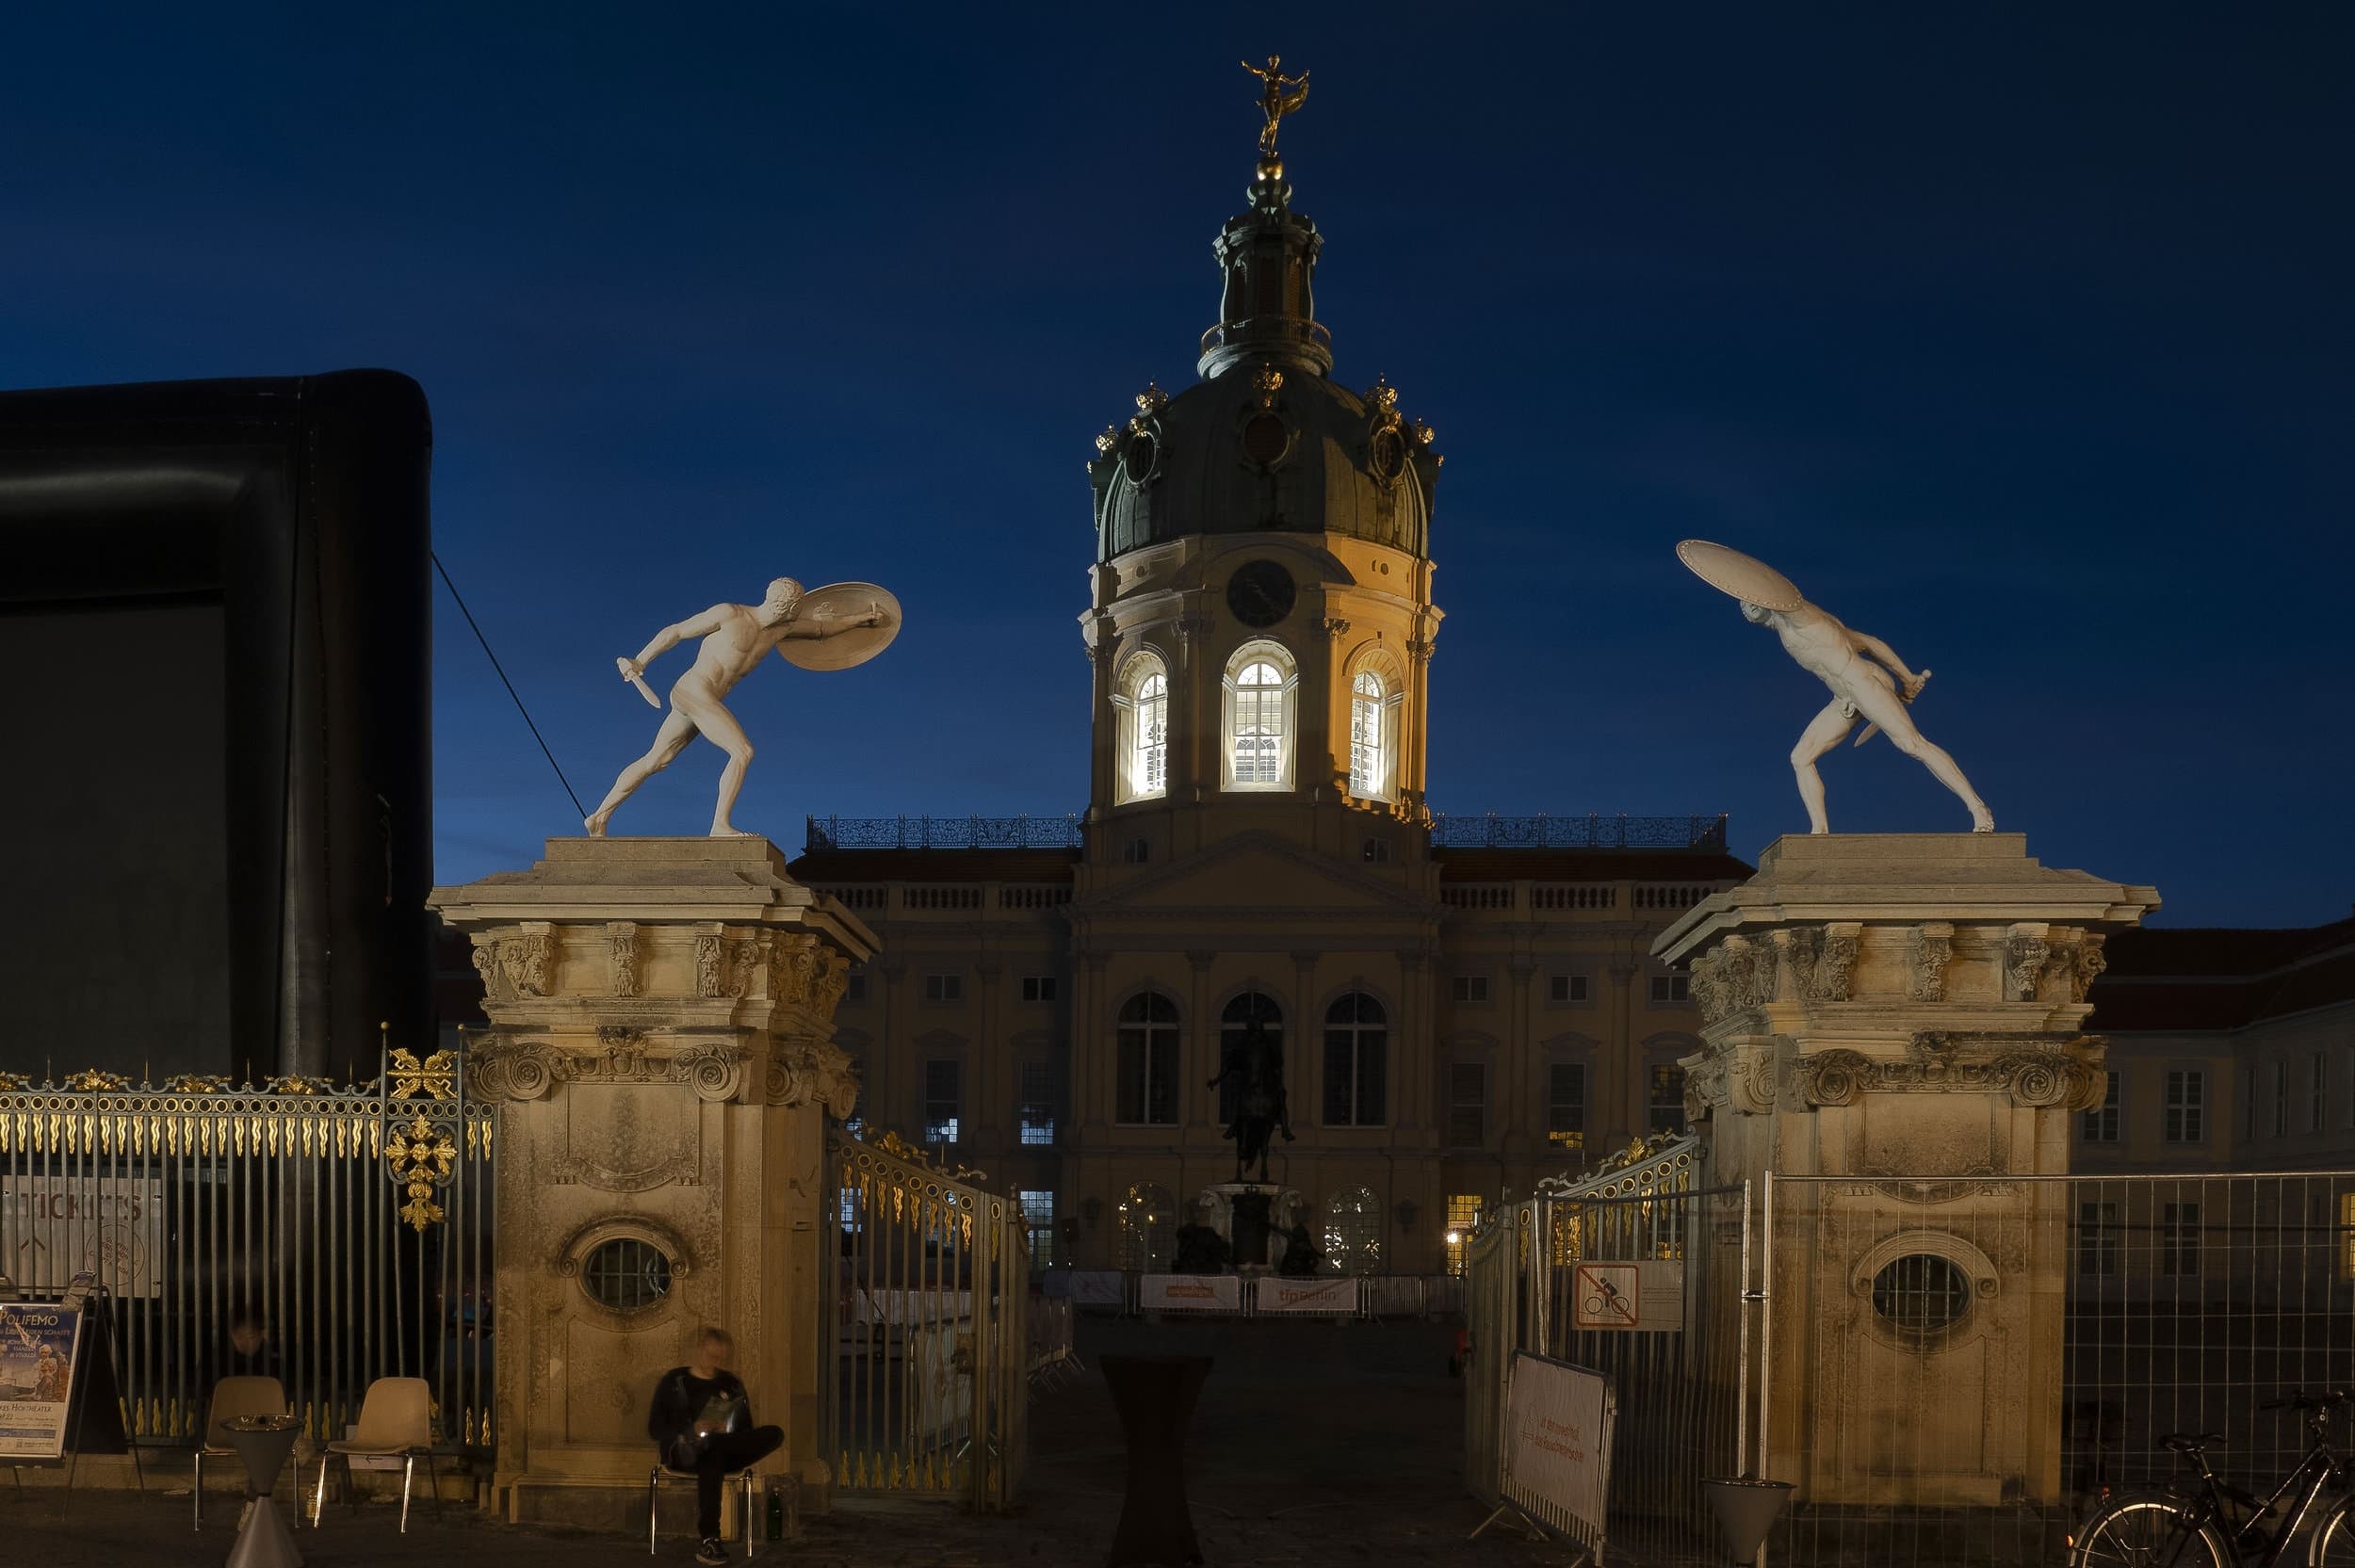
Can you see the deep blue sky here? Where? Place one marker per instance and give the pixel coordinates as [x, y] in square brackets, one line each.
[2020, 335]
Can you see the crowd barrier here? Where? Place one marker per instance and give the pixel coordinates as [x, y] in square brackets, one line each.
[1370, 1297]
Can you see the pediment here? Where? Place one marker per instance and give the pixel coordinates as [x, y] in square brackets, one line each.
[1260, 874]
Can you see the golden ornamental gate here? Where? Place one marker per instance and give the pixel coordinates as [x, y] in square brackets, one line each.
[928, 1375]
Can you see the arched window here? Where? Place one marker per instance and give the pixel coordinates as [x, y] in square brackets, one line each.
[1147, 1088]
[1234, 1023]
[1142, 701]
[1356, 1062]
[1368, 758]
[1352, 1231]
[1260, 685]
[1144, 1228]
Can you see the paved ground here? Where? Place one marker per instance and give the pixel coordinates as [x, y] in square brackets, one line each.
[1311, 1446]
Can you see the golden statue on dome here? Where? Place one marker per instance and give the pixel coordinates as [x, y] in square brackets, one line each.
[1280, 95]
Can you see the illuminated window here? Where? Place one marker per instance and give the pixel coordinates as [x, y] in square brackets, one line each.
[1566, 1105]
[943, 1103]
[1035, 1115]
[1463, 1212]
[1352, 1231]
[1142, 703]
[1148, 1089]
[1144, 1227]
[1668, 1097]
[2186, 1108]
[1356, 1062]
[1467, 1105]
[1259, 687]
[1038, 1217]
[1368, 763]
[2101, 1124]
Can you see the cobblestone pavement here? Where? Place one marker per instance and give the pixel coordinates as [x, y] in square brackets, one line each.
[1312, 1444]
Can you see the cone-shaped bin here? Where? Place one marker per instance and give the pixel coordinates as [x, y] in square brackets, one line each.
[1747, 1509]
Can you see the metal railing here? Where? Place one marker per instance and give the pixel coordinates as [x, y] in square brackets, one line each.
[1379, 1297]
[1253, 329]
[1592, 831]
[354, 1223]
[941, 833]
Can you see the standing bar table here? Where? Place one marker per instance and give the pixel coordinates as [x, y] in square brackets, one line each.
[1155, 1396]
[263, 1442]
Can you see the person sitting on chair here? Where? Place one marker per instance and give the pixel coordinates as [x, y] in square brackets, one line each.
[702, 1422]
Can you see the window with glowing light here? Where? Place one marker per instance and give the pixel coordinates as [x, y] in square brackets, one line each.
[1142, 701]
[1259, 688]
[1352, 1231]
[1145, 1227]
[1463, 1213]
[1369, 773]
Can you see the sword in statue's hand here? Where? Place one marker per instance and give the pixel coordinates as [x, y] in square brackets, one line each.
[632, 677]
[1905, 694]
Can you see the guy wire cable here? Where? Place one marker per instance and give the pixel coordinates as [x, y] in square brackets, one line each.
[504, 681]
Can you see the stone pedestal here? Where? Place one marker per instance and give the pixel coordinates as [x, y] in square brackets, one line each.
[1904, 1012]
[1252, 1216]
[660, 1044]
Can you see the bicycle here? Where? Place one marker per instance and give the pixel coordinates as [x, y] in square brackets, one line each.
[2174, 1529]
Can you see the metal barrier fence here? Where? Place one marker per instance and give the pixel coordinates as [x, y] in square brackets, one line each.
[928, 1386]
[1938, 1410]
[1638, 1274]
[354, 1223]
[1379, 1297]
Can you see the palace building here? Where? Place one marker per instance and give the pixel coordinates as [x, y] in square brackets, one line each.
[1463, 1006]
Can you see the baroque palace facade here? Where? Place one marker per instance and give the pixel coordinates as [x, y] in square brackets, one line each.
[1463, 1007]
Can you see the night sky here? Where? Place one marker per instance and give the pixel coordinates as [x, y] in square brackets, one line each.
[2020, 336]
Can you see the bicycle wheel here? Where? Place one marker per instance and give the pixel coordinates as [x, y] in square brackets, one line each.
[2147, 1532]
[2334, 1539]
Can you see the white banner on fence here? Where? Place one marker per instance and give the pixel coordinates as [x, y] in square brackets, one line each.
[1189, 1293]
[1330, 1298]
[1558, 1445]
[1644, 1297]
[55, 1227]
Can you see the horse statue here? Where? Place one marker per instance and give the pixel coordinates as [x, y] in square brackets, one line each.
[1254, 1063]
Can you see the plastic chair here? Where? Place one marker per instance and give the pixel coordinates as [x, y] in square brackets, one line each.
[662, 1474]
[396, 1421]
[234, 1397]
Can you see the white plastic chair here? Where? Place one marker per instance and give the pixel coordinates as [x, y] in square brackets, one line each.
[231, 1398]
[396, 1421]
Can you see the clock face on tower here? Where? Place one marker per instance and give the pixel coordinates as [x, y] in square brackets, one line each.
[1260, 593]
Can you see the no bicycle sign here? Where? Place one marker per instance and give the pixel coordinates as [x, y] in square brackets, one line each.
[1644, 1297]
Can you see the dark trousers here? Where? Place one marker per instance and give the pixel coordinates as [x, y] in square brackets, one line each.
[722, 1457]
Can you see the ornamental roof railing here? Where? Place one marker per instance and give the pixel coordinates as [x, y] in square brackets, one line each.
[941, 833]
[1595, 831]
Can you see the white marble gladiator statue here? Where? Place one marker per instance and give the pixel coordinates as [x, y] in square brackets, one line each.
[831, 628]
[1867, 678]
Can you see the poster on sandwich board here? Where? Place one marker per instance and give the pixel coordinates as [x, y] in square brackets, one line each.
[38, 1343]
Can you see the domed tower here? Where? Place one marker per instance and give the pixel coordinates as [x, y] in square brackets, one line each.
[1262, 622]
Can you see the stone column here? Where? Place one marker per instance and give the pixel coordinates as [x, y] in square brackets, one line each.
[1904, 1011]
[661, 1047]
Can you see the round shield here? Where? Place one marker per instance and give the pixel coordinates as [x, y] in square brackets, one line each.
[1746, 577]
[843, 604]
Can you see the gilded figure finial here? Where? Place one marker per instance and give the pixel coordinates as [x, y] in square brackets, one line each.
[1280, 95]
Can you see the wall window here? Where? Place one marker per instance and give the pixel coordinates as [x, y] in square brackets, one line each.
[1463, 1213]
[1148, 1090]
[1144, 1227]
[1142, 703]
[854, 988]
[1566, 1105]
[1038, 988]
[944, 988]
[2186, 1108]
[1670, 988]
[2101, 1124]
[1035, 1115]
[1668, 1097]
[1352, 1231]
[1369, 718]
[1565, 988]
[2281, 1098]
[2248, 1104]
[2321, 1089]
[2179, 1239]
[1261, 687]
[1038, 1217]
[1356, 1062]
[1234, 1025]
[1467, 1105]
[1468, 988]
[2097, 1239]
[943, 1100]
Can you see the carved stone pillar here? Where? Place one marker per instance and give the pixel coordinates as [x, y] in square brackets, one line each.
[1905, 1014]
[661, 1047]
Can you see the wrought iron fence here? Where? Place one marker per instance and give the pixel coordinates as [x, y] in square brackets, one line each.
[1592, 831]
[941, 833]
[354, 1225]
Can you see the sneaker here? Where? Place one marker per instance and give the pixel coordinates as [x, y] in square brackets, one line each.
[709, 1552]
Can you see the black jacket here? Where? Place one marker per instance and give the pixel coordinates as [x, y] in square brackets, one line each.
[670, 1420]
